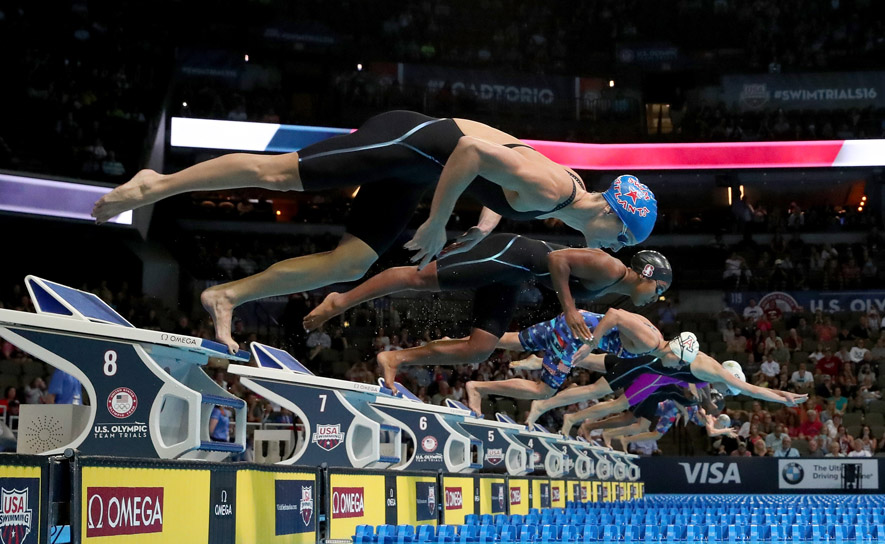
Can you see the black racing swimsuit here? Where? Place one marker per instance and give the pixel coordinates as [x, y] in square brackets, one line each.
[620, 372]
[496, 268]
[395, 158]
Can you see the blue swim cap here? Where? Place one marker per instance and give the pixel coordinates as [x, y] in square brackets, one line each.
[635, 205]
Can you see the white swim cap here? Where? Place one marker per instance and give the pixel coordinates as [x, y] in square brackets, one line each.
[733, 367]
[685, 346]
[723, 421]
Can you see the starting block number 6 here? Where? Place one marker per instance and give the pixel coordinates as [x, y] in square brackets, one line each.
[110, 362]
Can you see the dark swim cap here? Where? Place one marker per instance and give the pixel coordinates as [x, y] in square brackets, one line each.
[652, 265]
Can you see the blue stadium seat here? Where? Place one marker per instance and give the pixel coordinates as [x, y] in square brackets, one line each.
[468, 534]
[501, 519]
[426, 533]
[471, 519]
[405, 534]
[527, 533]
[508, 534]
[364, 534]
[445, 533]
[516, 519]
[385, 534]
[486, 519]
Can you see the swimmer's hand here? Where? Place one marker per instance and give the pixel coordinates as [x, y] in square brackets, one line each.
[575, 321]
[429, 240]
[793, 399]
[465, 242]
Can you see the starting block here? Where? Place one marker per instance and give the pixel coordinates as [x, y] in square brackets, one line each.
[148, 395]
[502, 453]
[437, 440]
[578, 464]
[609, 464]
[547, 456]
[340, 427]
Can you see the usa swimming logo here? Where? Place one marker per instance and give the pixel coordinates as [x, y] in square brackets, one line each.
[16, 516]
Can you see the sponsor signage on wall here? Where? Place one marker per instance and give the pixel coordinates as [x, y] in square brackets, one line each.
[804, 91]
[828, 473]
[19, 510]
[489, 86]
[115, 511]
[781, 302]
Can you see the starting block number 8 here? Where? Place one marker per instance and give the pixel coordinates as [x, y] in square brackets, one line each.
[110, 362]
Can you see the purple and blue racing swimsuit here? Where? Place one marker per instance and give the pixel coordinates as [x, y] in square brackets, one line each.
[559, 345]
[668, 411]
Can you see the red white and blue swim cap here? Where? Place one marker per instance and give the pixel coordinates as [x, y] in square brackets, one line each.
[635, 205]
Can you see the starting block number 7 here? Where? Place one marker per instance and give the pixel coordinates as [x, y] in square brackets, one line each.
[110, 362]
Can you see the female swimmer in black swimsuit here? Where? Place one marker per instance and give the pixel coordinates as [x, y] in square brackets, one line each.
[396, 157]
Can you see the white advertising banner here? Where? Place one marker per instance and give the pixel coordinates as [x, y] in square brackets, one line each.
[827, 473]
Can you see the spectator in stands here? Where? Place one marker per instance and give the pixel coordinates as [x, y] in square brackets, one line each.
[257, 409]
[759, 449]
[787, 449]
[63, 389]
[793, 341]
[444, 392]
[219, 424]
[858, 449]
[825, 330]
[780, 352]
[814, 448]
[817, 354]
[360, 373]
[769, 369]
[847, 380]
[227, 263]
[738, 342]
[858, 350]
[858, 403]
[741, 450]
[381, 340]
[318, 341]
[834, 450]
[851, 274]
[753, 311]
[339, 342]
[844, 439]
[878, 350]
[802, 379]
[804, 329]
[35, 391]
[830, 411]
[828, 364]
[868, 389]
[869, 441]
[10, 402]
[843, 354]
[825, 385]
[811, 427]
[764, 324]
[775, 439]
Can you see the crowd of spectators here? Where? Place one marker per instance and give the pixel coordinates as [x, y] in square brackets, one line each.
[87, 85]
[795, 265]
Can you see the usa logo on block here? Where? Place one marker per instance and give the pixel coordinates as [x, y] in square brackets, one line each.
[306, 504]
[328, 437]
[15, 516]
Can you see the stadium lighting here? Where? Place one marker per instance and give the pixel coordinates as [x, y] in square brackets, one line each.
[611, 83]
[247, 58]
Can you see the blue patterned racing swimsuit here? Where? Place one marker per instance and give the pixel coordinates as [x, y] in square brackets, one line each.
[559, 345]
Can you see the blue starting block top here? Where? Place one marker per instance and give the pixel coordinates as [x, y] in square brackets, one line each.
[452, 403]
[269, 357]
[400, 391]
[54, 298]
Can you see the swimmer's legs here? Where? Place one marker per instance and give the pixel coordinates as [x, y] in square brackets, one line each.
[514, 388]
[568, 396]
[347, 262]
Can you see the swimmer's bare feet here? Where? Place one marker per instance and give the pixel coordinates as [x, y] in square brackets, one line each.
[474, 398]
[568, 421]
[534, 413]
[607, 440]
[387, 362]
[132, 194]
[327, 309]
[219, 302]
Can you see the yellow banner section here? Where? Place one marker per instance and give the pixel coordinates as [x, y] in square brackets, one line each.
[144, 505]
[557, 493]
[355, 499]
[416, 500]
[493, 495]
[519, 496]
[267, 501]
[457, 499]
[578, 490]
[21, 484]
[595, 492]
[540, 489]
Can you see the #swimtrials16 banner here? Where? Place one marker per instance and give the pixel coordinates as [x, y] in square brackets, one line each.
[804, 91]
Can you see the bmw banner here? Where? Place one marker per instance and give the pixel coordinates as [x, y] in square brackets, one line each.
[828, 473]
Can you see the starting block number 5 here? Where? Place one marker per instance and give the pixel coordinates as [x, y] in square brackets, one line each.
[110, 362]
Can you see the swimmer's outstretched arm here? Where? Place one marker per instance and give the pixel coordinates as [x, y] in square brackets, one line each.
[632, 327]
[472, 157]
[709, 370]
[584, 264]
